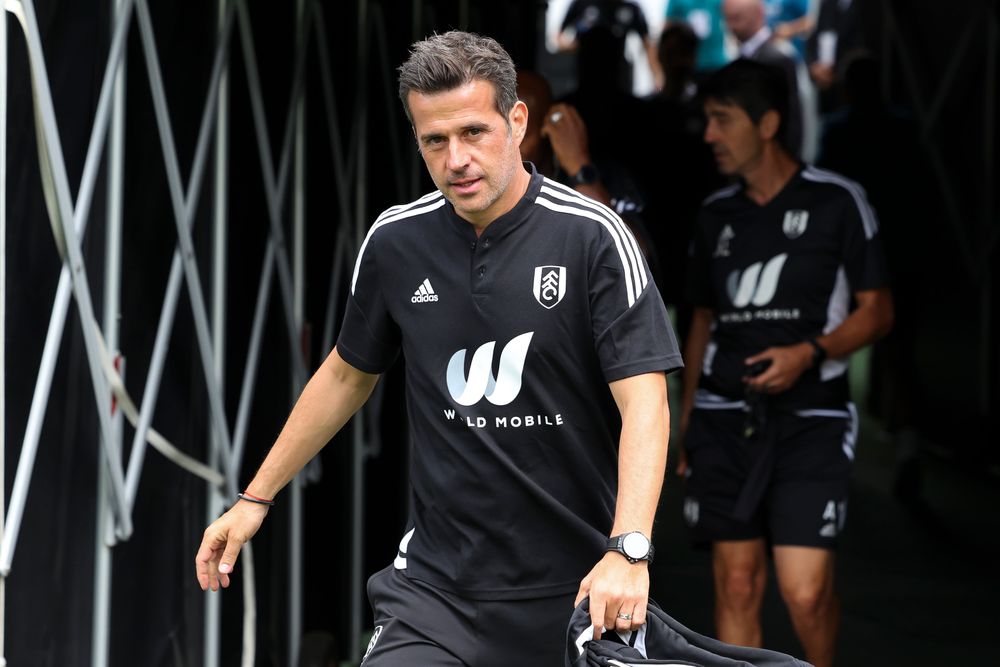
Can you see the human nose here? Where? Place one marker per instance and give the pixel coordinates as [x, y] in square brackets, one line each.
[709, 135]
[458, 156]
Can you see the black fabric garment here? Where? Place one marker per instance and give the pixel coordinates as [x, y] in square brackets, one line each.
[418, 625]
[840, 18]
[780, 274]
[603, 26]
[619, 16]
[510, 340]
[661, 641]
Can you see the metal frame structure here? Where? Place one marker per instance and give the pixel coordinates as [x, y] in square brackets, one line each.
[118, 479]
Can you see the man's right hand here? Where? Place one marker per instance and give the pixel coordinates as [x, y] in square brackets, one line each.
[222, 542]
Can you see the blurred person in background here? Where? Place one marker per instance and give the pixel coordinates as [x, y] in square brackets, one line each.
[620, 18]
[705, 18]
[748, 23]
[787, 279]
[556, 142]
[680, 171]
[791, 20]
[837, 33]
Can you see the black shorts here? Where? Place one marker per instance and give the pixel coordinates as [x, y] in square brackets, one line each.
[421, 625]
[787, 484]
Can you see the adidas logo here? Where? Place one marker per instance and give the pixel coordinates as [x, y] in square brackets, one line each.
[424, 294]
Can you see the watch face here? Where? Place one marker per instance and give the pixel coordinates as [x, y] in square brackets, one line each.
[635, 545]
[587, 174]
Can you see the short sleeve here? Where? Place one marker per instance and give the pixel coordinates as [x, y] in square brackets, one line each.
[698, 279]
[369, 338]
[632, 331]
[863, 259]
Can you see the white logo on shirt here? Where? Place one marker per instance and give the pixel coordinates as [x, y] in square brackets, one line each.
[424, 294]
[550, 285]
[371, 644]
[757, 283]
[722, 245]
[795, 223]
[480, 383]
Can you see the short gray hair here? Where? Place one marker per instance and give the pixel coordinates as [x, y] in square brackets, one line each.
[454, 59]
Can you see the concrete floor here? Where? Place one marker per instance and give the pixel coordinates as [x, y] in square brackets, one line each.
[917, 588]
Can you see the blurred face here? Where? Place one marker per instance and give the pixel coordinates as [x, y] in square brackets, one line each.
[470, 152]
[737, 143]
[743, 17]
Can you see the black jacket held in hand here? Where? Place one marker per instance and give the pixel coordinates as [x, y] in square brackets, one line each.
[661, 641]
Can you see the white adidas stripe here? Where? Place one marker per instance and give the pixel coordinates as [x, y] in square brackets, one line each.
[552, 206]
[571, 195]
[634, 270]
[722, 194]
[399, 207]
[385, 220]
[427, 285]
[868, 217]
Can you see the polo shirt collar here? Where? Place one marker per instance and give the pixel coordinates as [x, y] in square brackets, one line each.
[510, 220]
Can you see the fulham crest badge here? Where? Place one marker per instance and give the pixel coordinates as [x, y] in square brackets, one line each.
[549, 285]
[795, 223]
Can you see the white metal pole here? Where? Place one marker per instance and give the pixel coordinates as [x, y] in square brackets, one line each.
[357, 441]
[60, 305]
[214, 500]
[104, 536]
[3, 306]
[295, 528]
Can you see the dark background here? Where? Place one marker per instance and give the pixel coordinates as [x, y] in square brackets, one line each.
[156, 605]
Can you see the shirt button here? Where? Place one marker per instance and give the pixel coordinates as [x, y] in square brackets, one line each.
[473, 245]
[482, 271]
[486, 243]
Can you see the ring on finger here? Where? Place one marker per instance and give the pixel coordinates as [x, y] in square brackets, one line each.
[556, 116]
[625, 617]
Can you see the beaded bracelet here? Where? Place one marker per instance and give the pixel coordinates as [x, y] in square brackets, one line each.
[254, 499]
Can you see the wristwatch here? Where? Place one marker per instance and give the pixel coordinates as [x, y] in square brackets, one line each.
[588, 174]
[634, 546]
[819, 352]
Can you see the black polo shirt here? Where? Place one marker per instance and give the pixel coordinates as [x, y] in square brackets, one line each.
[510, 342]
[780, 274]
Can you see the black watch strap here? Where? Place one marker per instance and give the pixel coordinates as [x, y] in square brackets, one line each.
[588, 174]
[617, 543]
[819, 352]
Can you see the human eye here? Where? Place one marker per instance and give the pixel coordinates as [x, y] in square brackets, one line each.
[434, 141]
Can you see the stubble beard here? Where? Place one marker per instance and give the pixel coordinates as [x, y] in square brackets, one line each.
[494, 186]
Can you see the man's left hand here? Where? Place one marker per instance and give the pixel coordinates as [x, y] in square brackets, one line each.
[787, 364]
[616, 588]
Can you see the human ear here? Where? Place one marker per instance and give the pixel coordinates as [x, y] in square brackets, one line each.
[769, 124]
[519, 120]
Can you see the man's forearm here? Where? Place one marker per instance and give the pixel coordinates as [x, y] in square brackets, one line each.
[334, 393]
[642, 452]
[871, 320]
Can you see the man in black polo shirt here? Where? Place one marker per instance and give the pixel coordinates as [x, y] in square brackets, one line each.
[787, 279]
[533, 338]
